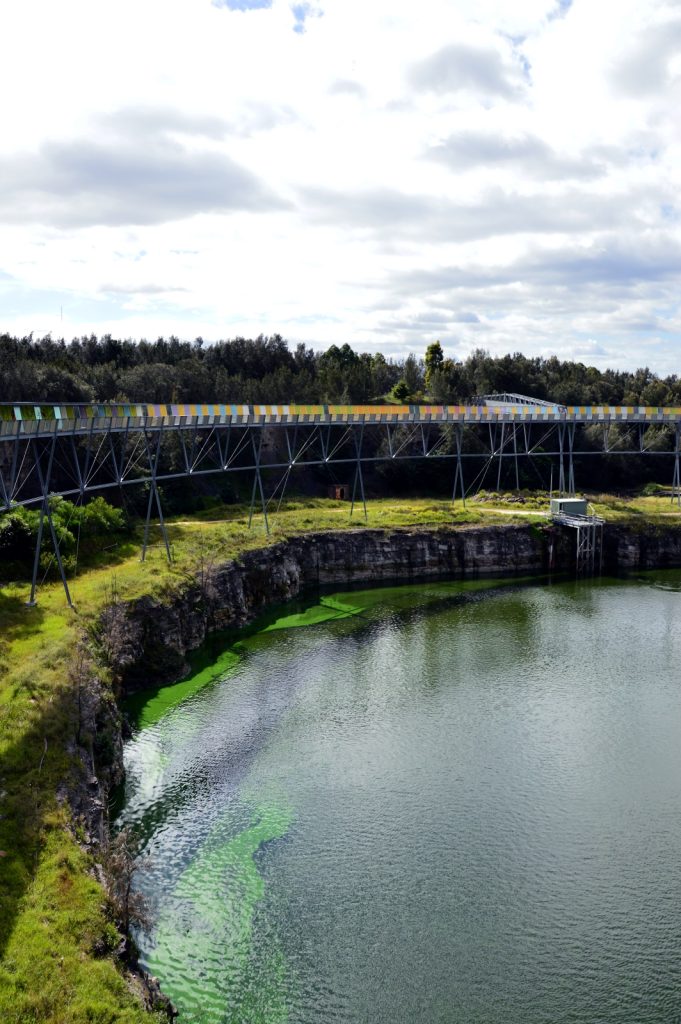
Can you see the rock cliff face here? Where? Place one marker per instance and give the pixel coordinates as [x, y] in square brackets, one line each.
[648, 548]
[147, 641]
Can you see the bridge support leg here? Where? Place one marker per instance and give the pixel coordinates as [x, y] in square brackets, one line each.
[55, 544]
[283, 483]
[561, 463]
[163, 525]
[257, 484]
[146, 524]
[676, 482]
[358, 473]
[291, 462]
[36, 561]
[458, 475]
[528, 451]
[4, 494]
[515, 457]
[76, 463]
[46, 511]
[154, 496]
[13, 470]
[571, 467]
[501, 455]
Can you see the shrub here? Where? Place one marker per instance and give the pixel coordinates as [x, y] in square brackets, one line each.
[18, 531]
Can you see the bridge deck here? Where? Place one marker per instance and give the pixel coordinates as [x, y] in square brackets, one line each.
[29, 418]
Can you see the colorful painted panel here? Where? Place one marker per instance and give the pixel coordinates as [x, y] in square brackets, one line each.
[289, 413]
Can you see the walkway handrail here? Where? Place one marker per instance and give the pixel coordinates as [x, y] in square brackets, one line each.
[574, 519]
[103, 415]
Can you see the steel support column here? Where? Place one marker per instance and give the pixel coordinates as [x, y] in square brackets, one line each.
[358, 472]
[458, 473]
[5, 495]
[676, 482]
[257, 482]
[515, 458]
[15, 458]
[153, 494]
[571, 467]
[45, 510]
[501, 454]
[36, 559]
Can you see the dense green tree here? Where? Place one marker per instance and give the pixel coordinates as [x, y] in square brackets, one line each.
[54, 384]
[401, 392]
[384, 374]
[413, 374]
[435, 357]
[17, 534]
[448, 383]
[80, 530]
[156, 382]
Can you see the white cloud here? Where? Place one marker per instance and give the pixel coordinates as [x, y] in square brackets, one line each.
[138, 177]
[494, 174]
[458, 68]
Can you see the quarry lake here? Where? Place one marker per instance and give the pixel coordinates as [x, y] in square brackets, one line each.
[445, 802]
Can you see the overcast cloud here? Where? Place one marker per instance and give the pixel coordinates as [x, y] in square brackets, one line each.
[80, 184]
[458, 68]
[385, 174]
[523, 155]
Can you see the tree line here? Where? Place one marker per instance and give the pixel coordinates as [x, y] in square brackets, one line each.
[267, 369]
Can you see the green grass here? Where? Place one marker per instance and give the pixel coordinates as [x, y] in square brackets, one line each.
[637, 511]
[56, 936]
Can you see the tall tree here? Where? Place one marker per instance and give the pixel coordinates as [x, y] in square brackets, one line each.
[435, 357]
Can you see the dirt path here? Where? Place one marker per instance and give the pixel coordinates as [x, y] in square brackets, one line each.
[511, 511]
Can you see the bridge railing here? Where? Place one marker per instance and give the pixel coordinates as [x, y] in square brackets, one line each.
[41, 418]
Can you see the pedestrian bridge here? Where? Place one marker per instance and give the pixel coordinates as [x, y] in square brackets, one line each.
[78, 449]
[34, 418]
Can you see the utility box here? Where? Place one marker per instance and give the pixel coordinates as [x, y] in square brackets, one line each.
[569, 507]
[341, 492]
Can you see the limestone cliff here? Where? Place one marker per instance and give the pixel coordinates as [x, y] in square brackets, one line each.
[147, 641]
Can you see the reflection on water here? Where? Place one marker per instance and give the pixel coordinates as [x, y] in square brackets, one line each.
[441, 803]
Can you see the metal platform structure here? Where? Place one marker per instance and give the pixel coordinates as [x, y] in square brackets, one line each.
[75, 450]
[589, 537]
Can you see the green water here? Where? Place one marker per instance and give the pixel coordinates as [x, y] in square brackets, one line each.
[224, 653]
[445, 802]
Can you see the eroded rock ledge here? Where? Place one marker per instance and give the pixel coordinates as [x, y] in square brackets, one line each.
[147, 641]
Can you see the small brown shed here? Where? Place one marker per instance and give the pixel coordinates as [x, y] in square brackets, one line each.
[341, 492]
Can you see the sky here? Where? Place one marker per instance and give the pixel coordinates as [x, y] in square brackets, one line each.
[379, 172]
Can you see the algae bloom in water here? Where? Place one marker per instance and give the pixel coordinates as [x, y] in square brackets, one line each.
[204, 939]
